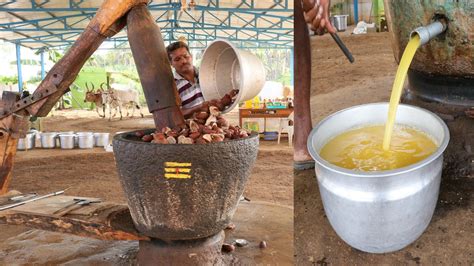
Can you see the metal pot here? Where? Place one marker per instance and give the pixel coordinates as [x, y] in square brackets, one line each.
[85, 140]
[48, 140]
[26, 143]
[380, 211]
[201, 201]
[339, 22]
[38, 139]
[224, 67]
[101, 139]
[67, 141]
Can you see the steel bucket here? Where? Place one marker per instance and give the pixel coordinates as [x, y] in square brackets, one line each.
[38, 139]
[380, 211]
[339, 22]
[224, 67]
[26, 143]
[67, 141]
[202, 204]
[85, 140]
[48, 140]
[101, 139]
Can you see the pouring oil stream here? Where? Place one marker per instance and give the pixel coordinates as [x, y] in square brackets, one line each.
[400, 77]
[419, 36]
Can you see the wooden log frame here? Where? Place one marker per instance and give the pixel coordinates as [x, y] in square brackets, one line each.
[104, 221]
[109, 19]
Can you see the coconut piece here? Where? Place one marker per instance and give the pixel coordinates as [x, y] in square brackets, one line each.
[184, 140]
[207, 137]
[165, 130]
[171, 140]
[194, 135]
[200, 121]
[202, 115]
[210, 120]
[200, 140]
[159, 138]
[193, 126]
[217, 137]
[214, 111]
[184, 132]
[222, 122]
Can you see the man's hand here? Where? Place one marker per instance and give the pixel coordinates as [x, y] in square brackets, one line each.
[316, 13]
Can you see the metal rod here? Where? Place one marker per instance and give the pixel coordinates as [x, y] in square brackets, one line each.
[18, 66]
[356, 11]
[343, 47]
[42, 65]
[30, 200]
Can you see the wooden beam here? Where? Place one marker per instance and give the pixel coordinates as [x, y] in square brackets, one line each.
[8, 148]
[104, 220]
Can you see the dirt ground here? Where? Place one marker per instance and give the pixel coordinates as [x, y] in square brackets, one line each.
[93, 173]
[336, 84]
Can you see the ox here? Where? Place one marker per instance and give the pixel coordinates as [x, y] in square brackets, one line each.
[97, 98]
[118, 96]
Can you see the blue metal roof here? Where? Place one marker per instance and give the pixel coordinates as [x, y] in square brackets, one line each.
[247, 23]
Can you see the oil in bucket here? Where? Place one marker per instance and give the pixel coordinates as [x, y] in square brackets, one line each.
[361, 148]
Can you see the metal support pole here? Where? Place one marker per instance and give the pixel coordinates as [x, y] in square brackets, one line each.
[356, 12]
[292, 64]
[18, 65]
[42, 65]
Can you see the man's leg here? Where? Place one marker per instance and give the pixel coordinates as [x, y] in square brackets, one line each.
[303, 126]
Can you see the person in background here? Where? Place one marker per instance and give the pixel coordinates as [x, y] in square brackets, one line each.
[315, 13]
[186, 77]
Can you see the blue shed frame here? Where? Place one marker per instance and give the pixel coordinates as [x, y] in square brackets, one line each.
[263, 28]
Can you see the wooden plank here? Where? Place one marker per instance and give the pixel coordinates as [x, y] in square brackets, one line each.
[104, 220]
[49, 206]
[5, 199]
[8, 151]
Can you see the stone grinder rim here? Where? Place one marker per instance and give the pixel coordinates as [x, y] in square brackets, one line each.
[122, 137]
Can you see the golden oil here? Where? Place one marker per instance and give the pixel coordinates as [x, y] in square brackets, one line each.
[362, 149]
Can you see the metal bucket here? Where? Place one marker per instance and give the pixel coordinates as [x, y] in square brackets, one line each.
[224, 67]
[85, 140]
[67, 141]
[101, 139]
[38, 139]
[339, 22]
[199, 204]
[26, 143]
[380, 211]
[48, 140]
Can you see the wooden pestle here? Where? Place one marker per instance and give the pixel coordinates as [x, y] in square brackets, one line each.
[154, 69]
